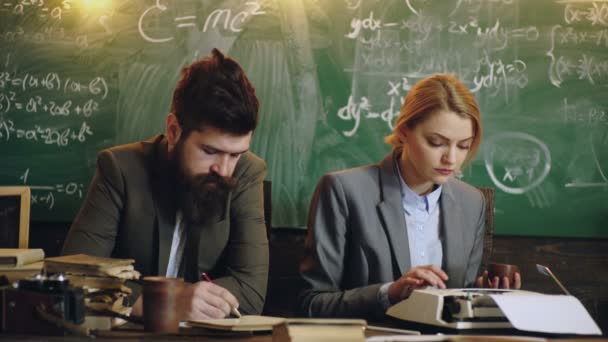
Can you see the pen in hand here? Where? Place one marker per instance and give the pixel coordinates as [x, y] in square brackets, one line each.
[234, 311]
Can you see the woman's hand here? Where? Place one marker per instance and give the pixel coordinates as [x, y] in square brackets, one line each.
[497, 283]
[417, 277]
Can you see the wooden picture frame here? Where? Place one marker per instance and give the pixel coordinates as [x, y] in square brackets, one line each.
[14, 211]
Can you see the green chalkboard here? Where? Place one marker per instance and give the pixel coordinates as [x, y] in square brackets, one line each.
[78, 76]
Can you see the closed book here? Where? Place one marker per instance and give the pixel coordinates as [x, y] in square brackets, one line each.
[92, 265]
[319, 330]
[98, 283]
[21, 272]
[12, 257]
[245, 323]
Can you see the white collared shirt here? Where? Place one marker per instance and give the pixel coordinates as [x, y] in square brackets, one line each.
[177, 247]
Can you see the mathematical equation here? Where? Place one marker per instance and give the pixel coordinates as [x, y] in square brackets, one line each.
[222, 18]
[356, 110]
[36, 104]
[516, 162]
[568, 35]
[596, 12]
[496, 37]
[45, 194]
[46, 35]
[496, 76]
[52, 81]
[45, 135]
[592, 116]
[39, 7]
[584, 67]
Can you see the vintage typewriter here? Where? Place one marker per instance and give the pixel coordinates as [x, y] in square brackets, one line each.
[454, 308]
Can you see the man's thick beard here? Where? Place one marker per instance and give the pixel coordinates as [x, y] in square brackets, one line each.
[201, 197]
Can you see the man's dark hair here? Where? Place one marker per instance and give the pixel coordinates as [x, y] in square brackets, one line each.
[215, 91]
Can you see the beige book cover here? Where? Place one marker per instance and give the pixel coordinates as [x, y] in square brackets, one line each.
[21, 272]
[98, 283]
[266, 323]
[319, 330]
[245, 323]
[12, 257]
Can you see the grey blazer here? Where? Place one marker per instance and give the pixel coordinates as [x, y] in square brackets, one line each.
[129, 212]
[357, 239]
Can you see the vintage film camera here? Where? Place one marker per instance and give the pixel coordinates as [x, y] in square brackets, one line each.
[53, 294]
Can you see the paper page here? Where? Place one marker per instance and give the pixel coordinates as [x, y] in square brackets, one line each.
[557, 314]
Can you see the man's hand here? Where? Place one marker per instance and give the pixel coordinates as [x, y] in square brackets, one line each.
[206, 300]
[496, 283]
[417, 277]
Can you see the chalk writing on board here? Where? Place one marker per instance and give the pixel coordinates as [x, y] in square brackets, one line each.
[516, 162]
[223, 18]
[42, 10]
[354, 111]
[496, 76]
[593, 12]
[591, 116]
[565, 64]
[353, 4]
[52, 81]
[51, 33]
[591, 158]
[10, 101]
[44, 195]
[45, 135]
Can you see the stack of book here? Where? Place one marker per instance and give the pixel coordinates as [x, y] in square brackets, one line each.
[103, 281]
[20, 263]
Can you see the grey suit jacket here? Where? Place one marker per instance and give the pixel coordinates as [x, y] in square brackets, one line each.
[357, 239]
[129, 212]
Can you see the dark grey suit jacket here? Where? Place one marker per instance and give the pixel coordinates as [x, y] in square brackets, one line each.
[129, 212]
[357, 239]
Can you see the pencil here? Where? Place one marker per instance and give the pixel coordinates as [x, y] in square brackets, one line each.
[234, 311]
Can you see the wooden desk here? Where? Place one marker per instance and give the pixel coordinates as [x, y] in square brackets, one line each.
[140, 336]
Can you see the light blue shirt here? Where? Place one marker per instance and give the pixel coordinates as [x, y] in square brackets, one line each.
[422, 224]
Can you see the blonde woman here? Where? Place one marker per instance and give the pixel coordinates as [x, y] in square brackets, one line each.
[377, 232]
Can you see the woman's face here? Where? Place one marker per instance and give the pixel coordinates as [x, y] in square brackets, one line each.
[435, 150]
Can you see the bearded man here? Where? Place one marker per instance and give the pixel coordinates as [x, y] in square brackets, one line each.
[189, 201]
